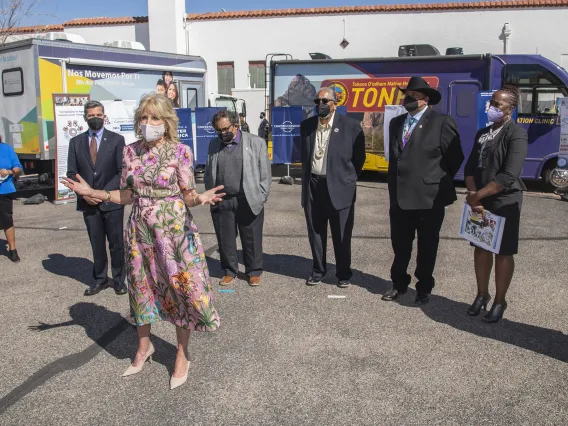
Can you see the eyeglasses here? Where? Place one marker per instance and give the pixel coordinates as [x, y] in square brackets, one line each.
[224, 130]
[318, 101]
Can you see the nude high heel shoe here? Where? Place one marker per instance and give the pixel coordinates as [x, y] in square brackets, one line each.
[178, 381]
[134, 370]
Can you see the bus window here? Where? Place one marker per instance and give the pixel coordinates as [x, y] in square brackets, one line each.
[546, 100]
[539, 88]
[13, 82]
[191, 98]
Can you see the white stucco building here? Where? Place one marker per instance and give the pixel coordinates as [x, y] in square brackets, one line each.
[235, 44]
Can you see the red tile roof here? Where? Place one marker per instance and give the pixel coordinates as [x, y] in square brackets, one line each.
[478, 5]
[88, 22]
[34, 29]
[501, 4]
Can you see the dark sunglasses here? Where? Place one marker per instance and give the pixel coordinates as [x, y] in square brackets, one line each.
[318, 101]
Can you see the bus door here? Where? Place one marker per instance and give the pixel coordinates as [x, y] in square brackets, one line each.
[462, 105]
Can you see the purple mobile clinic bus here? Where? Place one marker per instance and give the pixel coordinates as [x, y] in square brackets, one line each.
[365, 86]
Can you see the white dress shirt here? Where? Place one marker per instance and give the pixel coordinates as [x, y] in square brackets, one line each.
[323, 136]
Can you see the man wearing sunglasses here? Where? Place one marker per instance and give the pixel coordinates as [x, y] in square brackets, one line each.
[239, 161]
[333, 154]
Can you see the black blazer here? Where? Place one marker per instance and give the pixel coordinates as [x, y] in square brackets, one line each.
[421, 175]
[345, 158]
[105, 174]
[503, 158]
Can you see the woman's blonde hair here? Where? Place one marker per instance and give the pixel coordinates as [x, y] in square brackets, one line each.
[161, 107]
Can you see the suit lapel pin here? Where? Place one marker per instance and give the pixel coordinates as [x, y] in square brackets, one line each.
[336, 130]
[420, 126]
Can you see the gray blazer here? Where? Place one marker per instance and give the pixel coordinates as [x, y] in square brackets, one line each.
[257, 174]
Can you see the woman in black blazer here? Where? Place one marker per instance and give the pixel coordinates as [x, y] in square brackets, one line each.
[492, 177]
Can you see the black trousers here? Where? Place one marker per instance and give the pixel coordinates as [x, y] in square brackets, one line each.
[228, 216]
[404, 225]
[319, 212]
[103, 226]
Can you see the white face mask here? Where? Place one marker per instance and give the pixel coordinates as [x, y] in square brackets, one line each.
[152, 133]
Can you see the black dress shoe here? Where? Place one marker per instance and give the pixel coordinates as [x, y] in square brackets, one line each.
[313, 281]
[479, 303]
[13, 256]
[96, 289]
[495, 314]
[422, 298]
[121, 289]
[391, 295]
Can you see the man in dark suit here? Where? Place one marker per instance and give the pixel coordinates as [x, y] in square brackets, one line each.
[262, 127]
[333, 154]
[425, 155]
[96, 156]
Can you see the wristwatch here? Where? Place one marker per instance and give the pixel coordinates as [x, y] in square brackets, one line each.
[108, 196]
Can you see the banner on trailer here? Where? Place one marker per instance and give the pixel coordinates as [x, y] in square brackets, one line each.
[69, 122]
[120, 119]
[204, 132]
[286, 141]
[185, 128]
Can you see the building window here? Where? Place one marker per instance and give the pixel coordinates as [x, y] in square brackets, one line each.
[225, 77]
[257, 71]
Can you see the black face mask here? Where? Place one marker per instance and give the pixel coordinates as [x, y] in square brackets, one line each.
[226, 137]
[410, 104]
[261, 117]
[323, 110]
[95, 123]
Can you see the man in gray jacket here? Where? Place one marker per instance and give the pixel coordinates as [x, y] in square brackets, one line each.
[239, 161]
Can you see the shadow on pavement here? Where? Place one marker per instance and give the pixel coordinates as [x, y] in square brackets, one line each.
[544, 341]
[300, 267]
[77, 268]
[103, 327]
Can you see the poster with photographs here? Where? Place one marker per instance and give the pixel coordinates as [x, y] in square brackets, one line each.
[485, 231]
[69, 122]
[168, 87]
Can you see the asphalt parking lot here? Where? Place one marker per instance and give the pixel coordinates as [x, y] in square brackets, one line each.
[287, 354]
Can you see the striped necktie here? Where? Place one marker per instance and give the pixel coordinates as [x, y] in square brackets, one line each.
[93, 148]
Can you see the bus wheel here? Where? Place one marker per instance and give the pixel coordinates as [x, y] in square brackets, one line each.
[546, 175]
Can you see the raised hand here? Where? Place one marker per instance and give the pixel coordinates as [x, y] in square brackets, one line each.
[211, 196]
[81, 187]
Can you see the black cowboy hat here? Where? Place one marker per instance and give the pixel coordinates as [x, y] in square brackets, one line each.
[418, 84]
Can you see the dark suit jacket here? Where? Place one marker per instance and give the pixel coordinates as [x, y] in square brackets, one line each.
[105, 174]
[504, 158]
[345, 158]
[262, 128]
[421, 175]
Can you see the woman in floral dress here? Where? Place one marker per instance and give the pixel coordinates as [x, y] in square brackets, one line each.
[167, 272]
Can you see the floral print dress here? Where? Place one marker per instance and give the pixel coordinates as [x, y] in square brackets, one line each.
[167, 273]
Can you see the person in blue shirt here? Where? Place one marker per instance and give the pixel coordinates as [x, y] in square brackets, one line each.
[10, 168]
